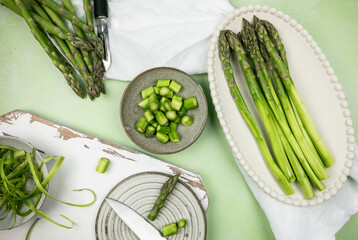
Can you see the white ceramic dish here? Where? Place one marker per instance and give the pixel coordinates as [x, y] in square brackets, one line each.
[140, 191]
[319, 88]
[18, 143]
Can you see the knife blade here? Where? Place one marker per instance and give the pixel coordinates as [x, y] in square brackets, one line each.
[101, 15]
[138, 224]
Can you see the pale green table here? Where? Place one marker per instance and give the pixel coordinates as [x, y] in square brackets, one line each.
[29, 81]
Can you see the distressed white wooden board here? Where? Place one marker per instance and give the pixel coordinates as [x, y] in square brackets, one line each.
[82, 152]
[320, 91]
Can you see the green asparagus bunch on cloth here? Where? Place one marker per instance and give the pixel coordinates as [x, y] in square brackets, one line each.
[299, 152]
[76, 50]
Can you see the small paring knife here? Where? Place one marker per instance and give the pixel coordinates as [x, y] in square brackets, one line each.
[138, 224]
[101, 15]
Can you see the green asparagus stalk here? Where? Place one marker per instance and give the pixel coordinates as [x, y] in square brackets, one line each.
[321, 147]
[50, 49]
[96, 69]
[283, 97]
[60, 42]
[87, 7]
[272, 31]
[297, 168]
[93, 38]
[49, 27]
[296, 138]
[263, 109]
[166, 189]
[81, 67]
[65, 35]
[238, 99]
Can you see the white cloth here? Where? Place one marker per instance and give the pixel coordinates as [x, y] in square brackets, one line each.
[320, 222]
[154, 33]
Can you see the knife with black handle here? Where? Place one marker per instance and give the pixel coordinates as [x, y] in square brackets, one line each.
[101, 15]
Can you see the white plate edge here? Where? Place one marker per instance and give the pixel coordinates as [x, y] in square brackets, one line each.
[348, 163]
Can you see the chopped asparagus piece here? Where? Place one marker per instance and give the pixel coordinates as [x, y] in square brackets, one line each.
[149, 116]
[162, 137]
[102, 165]
[164, 91]
[181, 111]
[144, 104]
[141, 125]
[177, 120]
[174, 136]
[190, 103]
[166, 104]
[170, 94]
[171, 115]
[147, 92]
[176, 104]
[156, 89]
[170, 229]
[149, 133]
[174, 86]
[176, 97]
[187, 120]
[154, 124]
[173, 126]
[161, 119]
[163, 83]
[153, 106]
[161, 103]
[181, 223]
[163, 129]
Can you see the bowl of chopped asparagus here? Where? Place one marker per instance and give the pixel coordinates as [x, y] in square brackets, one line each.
[163, 110]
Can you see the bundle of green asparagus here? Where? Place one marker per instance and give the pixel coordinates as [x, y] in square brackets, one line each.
[81, 50]
[298, 149]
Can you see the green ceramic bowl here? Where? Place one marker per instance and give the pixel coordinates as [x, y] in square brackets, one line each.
[130, 112]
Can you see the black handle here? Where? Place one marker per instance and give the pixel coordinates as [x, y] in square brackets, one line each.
[100, 8]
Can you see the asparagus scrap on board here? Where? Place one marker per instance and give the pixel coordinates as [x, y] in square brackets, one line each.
[166, 189]
[78, 49]
[299, 151]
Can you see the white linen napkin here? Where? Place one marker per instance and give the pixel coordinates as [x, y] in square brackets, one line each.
[318, 222]
[153, 33]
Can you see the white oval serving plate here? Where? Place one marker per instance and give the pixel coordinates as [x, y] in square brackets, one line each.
[319, 88]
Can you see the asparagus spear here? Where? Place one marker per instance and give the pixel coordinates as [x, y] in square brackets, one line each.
[51, 51]
[87, 7]
[81, 67]
[321, 147]
[94, 39]
[166, 189]
[272, 31]
[296, 139]
[277, 146]
[284, 99]
[237, 97]
[93, 68]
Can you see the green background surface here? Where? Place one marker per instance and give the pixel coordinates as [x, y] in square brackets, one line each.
[29, 81]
